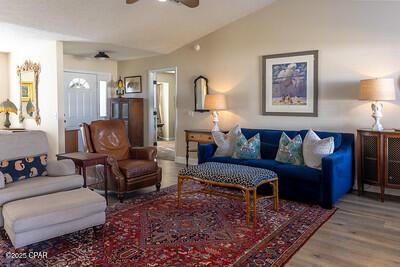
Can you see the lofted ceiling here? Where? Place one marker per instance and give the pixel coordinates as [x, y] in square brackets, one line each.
[146, 28]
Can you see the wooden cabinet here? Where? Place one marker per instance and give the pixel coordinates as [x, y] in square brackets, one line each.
[378, 159]
[131, 111]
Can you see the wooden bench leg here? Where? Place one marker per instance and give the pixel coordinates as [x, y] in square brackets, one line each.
[275, 186]
[180, 182]
[255, 206]
[248, 203]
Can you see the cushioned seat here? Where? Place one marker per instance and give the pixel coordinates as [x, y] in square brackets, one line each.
[299, 173]
[263, 163]
[229, 173]
[31, 220]
[135, 168]
[39, 186]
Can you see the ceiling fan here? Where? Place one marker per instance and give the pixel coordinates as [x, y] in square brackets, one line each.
[188, 3]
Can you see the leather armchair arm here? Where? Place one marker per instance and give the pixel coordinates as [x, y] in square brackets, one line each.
[113, 163]
[143, 153]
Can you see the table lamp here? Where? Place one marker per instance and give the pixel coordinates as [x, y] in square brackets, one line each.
[377, 90]
[7, 107]
[215, 103]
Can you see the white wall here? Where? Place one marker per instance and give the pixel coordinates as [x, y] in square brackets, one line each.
[4, 84]
[51, 92]
[356, 40]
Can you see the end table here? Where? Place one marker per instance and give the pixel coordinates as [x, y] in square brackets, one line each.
[83, 160]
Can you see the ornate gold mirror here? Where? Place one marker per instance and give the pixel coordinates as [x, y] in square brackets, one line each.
[28, 75]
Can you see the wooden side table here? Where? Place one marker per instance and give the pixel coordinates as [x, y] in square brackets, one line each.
[196, 136]
[83, 160]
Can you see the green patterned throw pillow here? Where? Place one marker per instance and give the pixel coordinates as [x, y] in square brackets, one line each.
[247, 149]
[290, 150]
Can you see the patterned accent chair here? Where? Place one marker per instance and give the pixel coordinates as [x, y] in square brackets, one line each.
[131, 167]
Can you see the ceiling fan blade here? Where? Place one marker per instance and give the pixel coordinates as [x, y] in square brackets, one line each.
[190, 3]
[131, 1]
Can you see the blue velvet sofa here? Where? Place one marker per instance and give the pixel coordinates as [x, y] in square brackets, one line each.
[300, 183]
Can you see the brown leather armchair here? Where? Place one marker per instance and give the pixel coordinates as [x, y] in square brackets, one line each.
[131, 167]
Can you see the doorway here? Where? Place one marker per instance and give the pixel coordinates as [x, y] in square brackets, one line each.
[164, 112]
[85, 100]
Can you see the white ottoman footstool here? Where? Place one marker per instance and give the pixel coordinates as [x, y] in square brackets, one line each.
[31, 220]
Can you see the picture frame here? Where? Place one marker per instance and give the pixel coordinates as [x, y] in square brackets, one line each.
[133, 84]
[27, 92]
[290, 84]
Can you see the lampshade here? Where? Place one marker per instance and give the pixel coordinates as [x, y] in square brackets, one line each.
[377, 89]
[8, 106]
[215, 102]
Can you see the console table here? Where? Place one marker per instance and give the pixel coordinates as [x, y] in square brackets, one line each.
[197, 136]
[378, 159]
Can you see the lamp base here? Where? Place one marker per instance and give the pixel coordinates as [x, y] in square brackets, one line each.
[215, 122]
[7, 122]
[377, 109]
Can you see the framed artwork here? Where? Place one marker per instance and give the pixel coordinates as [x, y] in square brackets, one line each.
[290, 84]
[27, 91]
[133, 84]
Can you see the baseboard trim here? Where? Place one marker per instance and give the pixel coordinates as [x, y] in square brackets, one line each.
[182, 160]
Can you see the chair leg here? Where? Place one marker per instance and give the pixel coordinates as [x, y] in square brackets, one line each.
[158, 186]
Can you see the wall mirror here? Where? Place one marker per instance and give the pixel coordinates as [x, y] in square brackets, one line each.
[200, 92]
[28, 75]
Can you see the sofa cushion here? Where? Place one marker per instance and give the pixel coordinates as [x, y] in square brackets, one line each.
[134, 168]
[268, 150]
[315, 148]
[226, 142]
[23, 168]
[290, 150]
[22, 144]
[39, 186]
[60, 167]
[41, 211]
[262, 163]
[268, 136]
[247, 149]
[337, 137]
[298, 173]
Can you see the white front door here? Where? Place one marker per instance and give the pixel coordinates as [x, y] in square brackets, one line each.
[81, 104]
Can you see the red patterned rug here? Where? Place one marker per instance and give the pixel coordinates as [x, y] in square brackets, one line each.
[149, 230]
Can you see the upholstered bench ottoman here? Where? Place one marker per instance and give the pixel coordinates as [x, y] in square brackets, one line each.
[40, 218]
[246, 179]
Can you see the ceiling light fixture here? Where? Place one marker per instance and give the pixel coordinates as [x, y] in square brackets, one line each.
[162, 0]
[102, 55]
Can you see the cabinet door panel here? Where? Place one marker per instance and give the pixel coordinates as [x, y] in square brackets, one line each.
[369, 157]
[392, 161]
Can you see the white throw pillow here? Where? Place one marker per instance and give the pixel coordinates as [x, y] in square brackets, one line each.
[226, 142]
[2, 181]
[314, 149]
[60, 167]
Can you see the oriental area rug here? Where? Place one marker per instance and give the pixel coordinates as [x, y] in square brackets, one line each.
[149, 230]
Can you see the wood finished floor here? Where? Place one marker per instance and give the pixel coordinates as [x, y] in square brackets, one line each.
[363, 232]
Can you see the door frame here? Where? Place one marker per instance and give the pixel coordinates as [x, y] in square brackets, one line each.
[152, 74]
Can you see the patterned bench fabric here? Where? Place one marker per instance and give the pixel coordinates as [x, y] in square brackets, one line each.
[229, 173]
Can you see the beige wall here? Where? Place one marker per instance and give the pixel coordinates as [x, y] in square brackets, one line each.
[4, 83]
[51, 91]
[91, 65]
[356, 40]
[170, 79]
